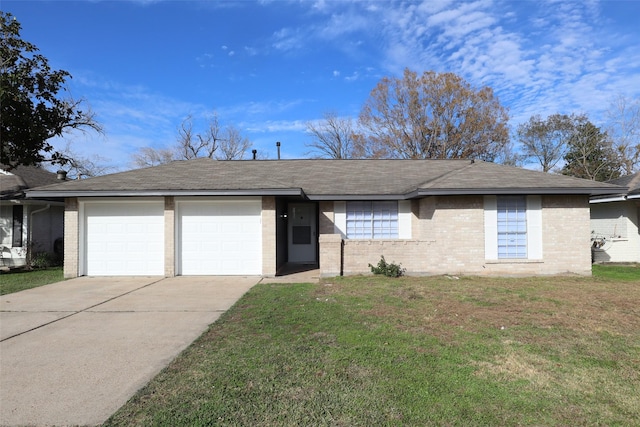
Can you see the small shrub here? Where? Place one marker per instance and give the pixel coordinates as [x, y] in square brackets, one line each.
[388, 269]
[43, 260]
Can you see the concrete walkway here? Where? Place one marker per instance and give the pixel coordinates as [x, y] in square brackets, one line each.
[73, 352]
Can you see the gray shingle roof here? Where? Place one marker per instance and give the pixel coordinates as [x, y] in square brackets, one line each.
[632, 182]
[13, 183]
[326, 179]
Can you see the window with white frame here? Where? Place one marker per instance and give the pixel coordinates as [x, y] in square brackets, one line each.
[512, 226]
[372, 220]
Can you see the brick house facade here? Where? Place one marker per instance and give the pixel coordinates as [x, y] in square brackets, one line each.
[254, 217]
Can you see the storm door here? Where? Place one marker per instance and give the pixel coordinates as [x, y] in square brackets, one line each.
[302, 235]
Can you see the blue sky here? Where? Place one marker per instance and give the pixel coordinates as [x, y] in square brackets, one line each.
[269, 67]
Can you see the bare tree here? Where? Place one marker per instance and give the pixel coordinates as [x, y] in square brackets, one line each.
[545, 141]
[333, 137]
[213, 142]
[79, 167]
[624, 127]
[193, 145]
[148, 156]
[233, 146]
[436, 116]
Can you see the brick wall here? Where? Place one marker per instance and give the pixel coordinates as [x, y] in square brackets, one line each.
[71, 241]
[448, 238]
[169, 236]
[268, 236]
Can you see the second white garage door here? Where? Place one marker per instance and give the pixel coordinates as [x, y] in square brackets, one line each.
[220, 237]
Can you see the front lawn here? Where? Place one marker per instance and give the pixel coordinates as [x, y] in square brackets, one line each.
[19, 280]
[371, 351]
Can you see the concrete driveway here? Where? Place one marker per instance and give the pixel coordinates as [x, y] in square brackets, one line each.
[72, 353]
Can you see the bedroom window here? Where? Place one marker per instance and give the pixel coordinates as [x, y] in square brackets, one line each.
[372, 220]
[512, 227]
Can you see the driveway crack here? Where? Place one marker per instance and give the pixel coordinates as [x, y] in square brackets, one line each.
[79, 311]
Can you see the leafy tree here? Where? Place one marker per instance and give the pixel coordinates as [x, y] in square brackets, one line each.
[591, 154]
[32, 110]
[333, 137]
[545, 141]
[214, 142]
[624, 128]
[432, 116]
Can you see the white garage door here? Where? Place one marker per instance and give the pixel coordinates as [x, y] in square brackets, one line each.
[124, 239]
[220, 238]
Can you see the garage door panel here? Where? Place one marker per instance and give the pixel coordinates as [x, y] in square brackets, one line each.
[124, 239]
[220, 238]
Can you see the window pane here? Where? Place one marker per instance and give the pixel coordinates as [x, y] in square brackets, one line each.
[372, 220]
[512, 227]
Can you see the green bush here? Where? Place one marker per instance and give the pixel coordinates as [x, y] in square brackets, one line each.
[388, 269]
[43, 260]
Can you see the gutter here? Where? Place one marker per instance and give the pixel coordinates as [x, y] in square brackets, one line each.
[161, 193]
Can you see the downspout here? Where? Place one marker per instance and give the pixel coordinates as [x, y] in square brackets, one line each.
[30, 225]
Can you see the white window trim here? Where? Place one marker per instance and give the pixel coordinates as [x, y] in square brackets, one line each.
[534, 228]
[491, 227]
[404, 219]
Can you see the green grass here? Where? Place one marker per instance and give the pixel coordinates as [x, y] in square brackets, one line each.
[364, 351]
[617, 272]
[15, 281]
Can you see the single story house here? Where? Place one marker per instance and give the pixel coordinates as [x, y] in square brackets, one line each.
[34, 223]
[615, 223]
[253, 217]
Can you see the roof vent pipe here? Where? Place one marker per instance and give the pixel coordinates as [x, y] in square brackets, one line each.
[255, 152]
[278, 145]
[61, 175]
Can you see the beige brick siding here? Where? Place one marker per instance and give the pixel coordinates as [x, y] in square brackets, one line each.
[268, 236]
[448, 238]
[330, 255]
[169, 236]
[71, 241]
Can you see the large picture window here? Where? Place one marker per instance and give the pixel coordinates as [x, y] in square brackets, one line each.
[372, 220]
[512, 226]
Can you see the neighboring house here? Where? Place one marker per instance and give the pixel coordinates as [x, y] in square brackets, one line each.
[253, 217]
[25, 224]
[615, 223]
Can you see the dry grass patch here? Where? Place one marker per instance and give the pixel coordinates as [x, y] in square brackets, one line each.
[363, 351]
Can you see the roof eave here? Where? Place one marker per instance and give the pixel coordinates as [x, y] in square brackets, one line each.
[162, 193]
[508, 191]
[323, 197]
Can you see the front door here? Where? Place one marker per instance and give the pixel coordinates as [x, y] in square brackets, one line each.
[301, 232]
